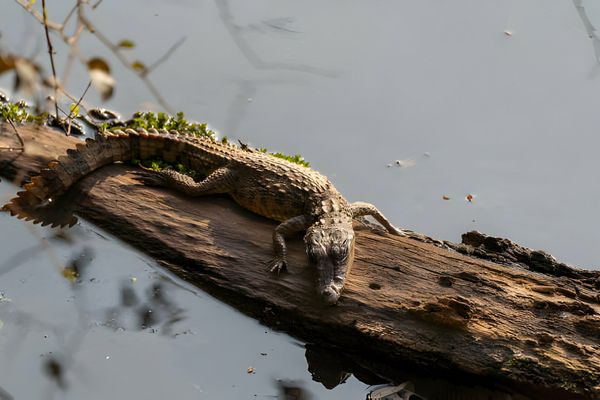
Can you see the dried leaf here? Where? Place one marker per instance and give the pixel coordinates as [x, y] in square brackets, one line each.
[7, 62]
[28, 77]
[139, 66]
[101, 78]
[126, 44]
[444, 197]
[98, 63]
[469, 197]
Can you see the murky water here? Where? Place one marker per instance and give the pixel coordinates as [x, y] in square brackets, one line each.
[497, 99]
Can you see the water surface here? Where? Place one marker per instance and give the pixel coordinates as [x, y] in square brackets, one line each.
[497, 99]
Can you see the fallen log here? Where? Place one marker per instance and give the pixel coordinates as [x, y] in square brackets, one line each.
[485, 308]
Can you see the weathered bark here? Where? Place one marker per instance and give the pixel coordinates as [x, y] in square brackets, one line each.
[524, 319]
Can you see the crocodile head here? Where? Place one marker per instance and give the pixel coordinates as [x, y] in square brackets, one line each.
[331, 250]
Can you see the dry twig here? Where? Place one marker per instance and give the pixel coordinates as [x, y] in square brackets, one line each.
[51, 53]
[22, 148]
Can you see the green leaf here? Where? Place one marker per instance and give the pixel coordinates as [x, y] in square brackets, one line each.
[74, 109]
[139, 66]
[126, 44]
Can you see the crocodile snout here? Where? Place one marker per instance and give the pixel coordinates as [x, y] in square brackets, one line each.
[330, 295]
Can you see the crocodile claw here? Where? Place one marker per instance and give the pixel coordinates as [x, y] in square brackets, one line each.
[277, 265]
[397, 231]
[149, 177]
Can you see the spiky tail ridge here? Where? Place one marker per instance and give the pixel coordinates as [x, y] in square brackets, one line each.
[36, 202]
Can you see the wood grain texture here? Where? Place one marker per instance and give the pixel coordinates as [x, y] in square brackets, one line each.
[406, 304]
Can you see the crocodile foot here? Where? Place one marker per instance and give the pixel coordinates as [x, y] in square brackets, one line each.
[376, 228]
[150, 177]
[277, 265]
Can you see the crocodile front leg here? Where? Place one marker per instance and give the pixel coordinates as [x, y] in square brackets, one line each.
[283, 230]
[360, 209]
[221, 180]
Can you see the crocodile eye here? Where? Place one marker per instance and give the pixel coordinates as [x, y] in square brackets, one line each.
[315, 253]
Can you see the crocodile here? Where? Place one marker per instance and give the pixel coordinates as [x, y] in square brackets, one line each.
[300, 198]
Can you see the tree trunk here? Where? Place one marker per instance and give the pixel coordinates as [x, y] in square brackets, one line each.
[519, 317]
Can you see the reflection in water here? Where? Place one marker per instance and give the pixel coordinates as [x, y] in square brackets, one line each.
[331, 368]
[54, 370]
[153, 309]
[253, 58]
[247, 89]
[4, 395]
[404, 391]
[589, 27]
[326, 367]
[289, 390]
[156, 311]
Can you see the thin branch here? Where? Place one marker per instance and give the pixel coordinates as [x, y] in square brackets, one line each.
[69, 95]
[79, 101]
[69, 15]
[161, 100]
[28, 7]
[84, 23]
[121, 57]
[72, 113]
[73, 51]
[17, 134]
[21, 150]
[165, 56]
[50, 52]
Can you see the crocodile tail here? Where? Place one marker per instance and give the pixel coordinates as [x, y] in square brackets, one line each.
[43, 202]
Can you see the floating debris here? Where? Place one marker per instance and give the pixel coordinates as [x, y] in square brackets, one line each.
[444, 197]
[250, 370]
[508, 33]
[469, 198]
[70, 274]
[405, 163]
[404, 391]
[3, 298]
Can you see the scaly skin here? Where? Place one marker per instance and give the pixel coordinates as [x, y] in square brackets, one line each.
[300, 198]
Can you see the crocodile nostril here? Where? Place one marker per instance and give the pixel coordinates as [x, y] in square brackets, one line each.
[330, 296]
